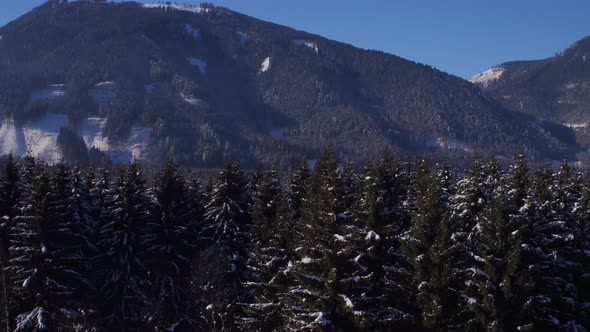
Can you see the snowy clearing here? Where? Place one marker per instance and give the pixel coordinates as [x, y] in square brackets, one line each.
[576, 125]
[308, 43]
[38, 138]
[165, 6]
[486, 77]
[199, 63]
[51, 92]
[265, 65]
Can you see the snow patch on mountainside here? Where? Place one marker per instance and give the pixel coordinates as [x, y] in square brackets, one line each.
[265, 65]
[190, 99]
[38, 138]
[196, 33]
[102, 93]
[576, 125]
[168, 6]
[133, 148]
[452, 144]
[199, 63]
[310, 44]
[51, 92]
[486, 77]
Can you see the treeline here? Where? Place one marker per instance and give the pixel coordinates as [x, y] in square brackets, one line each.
[387, 246]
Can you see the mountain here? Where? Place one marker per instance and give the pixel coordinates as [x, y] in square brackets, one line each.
[554, 90]
[88, 80]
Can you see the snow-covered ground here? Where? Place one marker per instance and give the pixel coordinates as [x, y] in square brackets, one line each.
[486, 77]
[199, 63]
[192, 100]
[310, 44]
[50, 92]
[38, 138]
[265, 65]
[102, 93]
[196, 33]
[576, 125]
[165, 6]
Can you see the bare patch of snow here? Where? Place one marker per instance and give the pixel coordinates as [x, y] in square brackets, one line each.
[265, 65]
[102, 93]
[190, 99]
[51, 92]
[485, 78]
[308, 43]
[38, 138]
[199, 63]
[576, 125]
[452, 144]
[169, 6]
[196, 33]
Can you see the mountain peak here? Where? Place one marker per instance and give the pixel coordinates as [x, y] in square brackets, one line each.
[189, 84]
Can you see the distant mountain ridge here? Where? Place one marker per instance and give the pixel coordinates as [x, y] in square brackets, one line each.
[555, 89]
[201, 84]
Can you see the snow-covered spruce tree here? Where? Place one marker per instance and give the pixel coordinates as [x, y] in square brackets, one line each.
[582, 255]
[221, 267]
[125, 279]
[472, 195]
[429, 247]
[46, 257]
[267, 256]
[377, 280]
[313, 301]
[167, 241]
[500, 275]
[10, 196]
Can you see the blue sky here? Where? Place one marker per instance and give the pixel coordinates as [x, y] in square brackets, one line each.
[461, 37]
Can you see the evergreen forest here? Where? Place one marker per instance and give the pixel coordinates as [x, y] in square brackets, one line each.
[388, 245]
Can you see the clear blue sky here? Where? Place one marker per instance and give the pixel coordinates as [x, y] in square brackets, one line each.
[461, 37]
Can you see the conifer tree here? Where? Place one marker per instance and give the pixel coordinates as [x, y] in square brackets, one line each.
[10, 195]
[268, 255]
[314, 298]
[501, 277]
[222, 264]
[124, 291]
[167, 241]
[429, 246]
[47, 260]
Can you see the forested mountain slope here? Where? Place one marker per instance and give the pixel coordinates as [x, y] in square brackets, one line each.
[556, 89]
[153, 82]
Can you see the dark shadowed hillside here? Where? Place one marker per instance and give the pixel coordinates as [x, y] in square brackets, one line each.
[202, 84]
